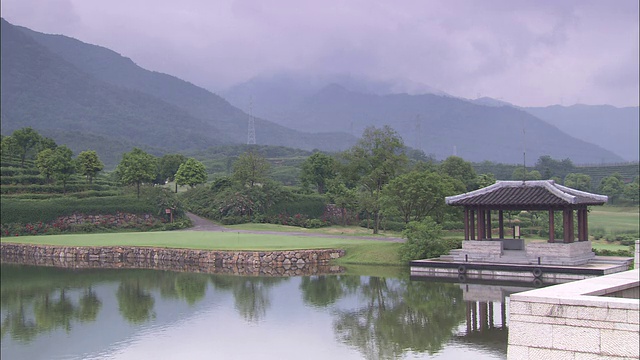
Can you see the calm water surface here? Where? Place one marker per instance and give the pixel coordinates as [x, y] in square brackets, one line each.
[52, 313]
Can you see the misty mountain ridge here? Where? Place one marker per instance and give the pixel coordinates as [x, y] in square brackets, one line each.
[58, 83]
[438, 125]
[53, 82]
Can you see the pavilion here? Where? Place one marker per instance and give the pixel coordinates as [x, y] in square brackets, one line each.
[541, 195]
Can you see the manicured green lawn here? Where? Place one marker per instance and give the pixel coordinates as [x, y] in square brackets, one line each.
[331, 230]
[358, 251]
[614, 219]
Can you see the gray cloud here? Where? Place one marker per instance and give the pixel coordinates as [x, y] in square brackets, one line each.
[525, 52]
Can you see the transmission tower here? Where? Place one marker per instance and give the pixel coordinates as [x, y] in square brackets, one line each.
[251, 135]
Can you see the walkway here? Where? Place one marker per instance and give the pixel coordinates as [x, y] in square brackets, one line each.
[202, 224]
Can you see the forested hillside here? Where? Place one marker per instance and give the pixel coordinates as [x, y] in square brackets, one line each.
[102, 96]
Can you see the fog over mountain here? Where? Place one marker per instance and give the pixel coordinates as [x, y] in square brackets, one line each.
[526, 53]
[54, 82]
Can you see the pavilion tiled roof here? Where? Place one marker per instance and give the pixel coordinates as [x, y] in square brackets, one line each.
[538, 193]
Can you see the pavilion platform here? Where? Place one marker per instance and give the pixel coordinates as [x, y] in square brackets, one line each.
[514, 269]
[487, 257]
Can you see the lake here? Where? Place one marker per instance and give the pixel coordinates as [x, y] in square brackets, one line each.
[56, 313]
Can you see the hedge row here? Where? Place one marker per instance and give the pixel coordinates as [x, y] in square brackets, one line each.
[311, 206]
[24, 211]
[51, 188]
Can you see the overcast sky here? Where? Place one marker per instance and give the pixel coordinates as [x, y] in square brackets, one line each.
[530, 53]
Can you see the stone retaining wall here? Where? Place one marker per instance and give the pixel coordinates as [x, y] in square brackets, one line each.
[274, 263]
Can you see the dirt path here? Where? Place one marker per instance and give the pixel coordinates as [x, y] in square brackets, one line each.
[202, 224]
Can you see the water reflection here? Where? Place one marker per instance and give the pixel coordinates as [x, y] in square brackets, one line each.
[367, 317]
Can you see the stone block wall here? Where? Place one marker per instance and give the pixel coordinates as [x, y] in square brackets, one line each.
[476, 250]
[575, 253]
[276, 263]
[569, 322]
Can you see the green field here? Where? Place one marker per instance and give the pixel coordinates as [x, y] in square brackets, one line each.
[358, 251]
[614, 220]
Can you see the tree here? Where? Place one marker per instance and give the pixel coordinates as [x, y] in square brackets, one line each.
[612, 186]
[485, 180]
[45, 163]
[631, 191]
[56, 164]
[578, 181]
[168, 166]
[25, 140]
[457, 168]
[250, 169]
[317, 169]
[548, 167]
[89, 164]
[192, 172]
[376, 159]
[343, 197]
[416, 195]
[531, 175]
[136, 167]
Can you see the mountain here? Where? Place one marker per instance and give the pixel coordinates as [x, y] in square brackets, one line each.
[615, 129]
[278, 96]
[53, 82]
[444, 125]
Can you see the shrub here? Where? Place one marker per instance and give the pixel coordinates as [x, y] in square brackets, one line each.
[607, 252]
[424, 240]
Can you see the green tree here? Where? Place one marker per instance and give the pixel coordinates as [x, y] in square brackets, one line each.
[137, 167]
[344, 198]
[89, 164]
[531, 175]
[548, 167]
[9, 147]
[317, 169]
[250, 169]
[192, 172]
[168, 166]
[376, 159]
[416, 195]
[26, 139]
[455, 167]
[56, 164]
[631, 191]
[485, 180]
[424, 241]
[578, 181]
[612, 186]
[45, 162]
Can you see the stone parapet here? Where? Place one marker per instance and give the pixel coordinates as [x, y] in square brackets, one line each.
[278, 263]
[577, 320]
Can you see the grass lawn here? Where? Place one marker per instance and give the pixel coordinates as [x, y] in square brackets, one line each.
[331, 230]
[357, 251]
[614, 219]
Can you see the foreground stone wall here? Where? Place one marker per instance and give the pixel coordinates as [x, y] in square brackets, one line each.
[576, 320]
[262, 263]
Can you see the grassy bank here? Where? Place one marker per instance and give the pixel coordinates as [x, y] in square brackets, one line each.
[357, 251]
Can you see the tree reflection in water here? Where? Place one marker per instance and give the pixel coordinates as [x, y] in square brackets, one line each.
[381, 317]
[395, 317]
[251, 294]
